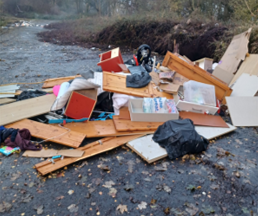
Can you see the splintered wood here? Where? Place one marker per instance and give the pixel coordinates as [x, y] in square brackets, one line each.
[91, 149]
[52, 133]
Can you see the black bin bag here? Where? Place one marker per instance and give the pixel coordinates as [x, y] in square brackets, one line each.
[179, 137]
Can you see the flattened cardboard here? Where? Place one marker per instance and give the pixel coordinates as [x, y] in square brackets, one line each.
[243, 111]
[204, 120]
[147, 149]
[249, 66]
[213, 132]
[235, 53]
[45, 153]
[245, 86]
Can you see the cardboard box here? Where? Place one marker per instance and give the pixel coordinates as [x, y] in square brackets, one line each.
[194, 107]
[137, 114]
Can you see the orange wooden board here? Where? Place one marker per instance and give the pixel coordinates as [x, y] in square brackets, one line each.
[204, 120]
[194, 72]
[91, 149]
[128, 125]
[100, 129]
[46, 131]
[117, 83]
[49, 83]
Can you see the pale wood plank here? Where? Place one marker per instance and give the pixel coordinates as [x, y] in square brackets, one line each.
[25, 109]
[6, 100]
[49, 83]
[100, 129]
[89, 150]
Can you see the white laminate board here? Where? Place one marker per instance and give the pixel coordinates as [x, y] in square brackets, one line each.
[243, 110]
[213, 132]
[194, 107]
[146, 148]
[246, 85]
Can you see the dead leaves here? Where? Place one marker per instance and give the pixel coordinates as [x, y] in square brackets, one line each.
[60, 197]
[39, 209]
[191, 209]
[70, 192]
[122, 208]
[130, 164]
[128, 187]
[27, 198]
[108, 184]
[104, 167]
[15, 176]
[163, 167]
[73, 208]
[112, 192]
[163, 187]
[142, 205]
[5, 207]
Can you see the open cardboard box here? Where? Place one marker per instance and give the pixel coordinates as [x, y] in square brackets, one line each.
[137, 114]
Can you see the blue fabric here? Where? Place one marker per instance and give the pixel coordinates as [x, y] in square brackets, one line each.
[1, 129]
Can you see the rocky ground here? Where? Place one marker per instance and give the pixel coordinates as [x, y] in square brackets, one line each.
[221, 181]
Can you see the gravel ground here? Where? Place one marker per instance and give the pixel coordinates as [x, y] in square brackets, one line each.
[221, 181]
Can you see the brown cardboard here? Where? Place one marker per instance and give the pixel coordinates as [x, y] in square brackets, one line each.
[235, 53]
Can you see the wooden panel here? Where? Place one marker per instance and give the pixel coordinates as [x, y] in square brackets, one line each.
[46, 131]
[245, 85]
[49, 83]
[243, 111]
[249, 66]
[26, 108]
[100, 129]
[92, 149]
[213, 132]
[6, 100]
[117, 83]
[193, 72]
[147, 149]
[204, 120]
[128, 125]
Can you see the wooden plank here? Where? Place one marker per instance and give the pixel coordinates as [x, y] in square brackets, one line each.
[100, 129]
[6, 100]
[128, 125]
[147, 149]
[117, 83]
[243, 111]
[45, 131]
[193, 72]
[92, 149]
[213, 132]
[46, 153]
[204, 120]
[245, 86]
[26, 108]
[49, 83]
[249, 66]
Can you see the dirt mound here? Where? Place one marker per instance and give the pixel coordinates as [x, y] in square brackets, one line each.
[194, 39]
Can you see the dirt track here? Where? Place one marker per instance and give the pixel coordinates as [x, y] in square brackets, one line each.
[228, 183]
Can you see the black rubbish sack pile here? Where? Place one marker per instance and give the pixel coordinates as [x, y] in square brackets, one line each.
[179, 137]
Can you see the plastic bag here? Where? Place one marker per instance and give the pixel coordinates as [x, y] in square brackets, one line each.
[179, 137]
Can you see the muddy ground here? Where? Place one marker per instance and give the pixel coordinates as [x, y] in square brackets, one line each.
[221, 181]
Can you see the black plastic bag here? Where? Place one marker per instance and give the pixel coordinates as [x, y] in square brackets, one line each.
[179, 137]
[30, 94]
[138, 80]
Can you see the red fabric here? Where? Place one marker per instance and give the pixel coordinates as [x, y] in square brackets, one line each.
[22, 140]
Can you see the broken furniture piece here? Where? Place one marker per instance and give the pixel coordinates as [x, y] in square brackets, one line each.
[193, 72]
[109, 60]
